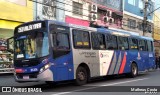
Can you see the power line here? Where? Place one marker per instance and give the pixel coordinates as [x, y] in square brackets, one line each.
[69, 10]
[154, 10]
[65, 4]
[57, 7]
[63, 8]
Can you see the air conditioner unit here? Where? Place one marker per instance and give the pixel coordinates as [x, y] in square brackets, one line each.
[105, 19]
[94, 8]
[109, 13]
[93, 17]
[111, 20]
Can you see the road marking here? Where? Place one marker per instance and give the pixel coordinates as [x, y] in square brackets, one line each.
[100, 86]
[119, 82]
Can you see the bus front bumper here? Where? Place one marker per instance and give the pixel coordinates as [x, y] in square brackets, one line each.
[46, 75]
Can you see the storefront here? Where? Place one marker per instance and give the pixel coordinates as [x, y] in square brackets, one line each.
[7, 28]
[157, 47]
[6, 31]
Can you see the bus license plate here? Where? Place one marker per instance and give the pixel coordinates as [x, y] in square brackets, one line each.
[25, 77]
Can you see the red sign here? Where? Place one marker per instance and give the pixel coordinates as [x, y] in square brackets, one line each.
[76, 21]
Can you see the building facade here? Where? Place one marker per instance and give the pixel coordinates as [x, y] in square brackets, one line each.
[77, 12]
[49, 10]
[133, 13]
[13, 13]
[94, 13]
[157, 32]
[108, 13]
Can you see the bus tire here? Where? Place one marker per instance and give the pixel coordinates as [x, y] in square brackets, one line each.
[81, 76]
[49, 82]
[134, 70]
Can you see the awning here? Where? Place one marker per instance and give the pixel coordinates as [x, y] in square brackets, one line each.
[6, 24]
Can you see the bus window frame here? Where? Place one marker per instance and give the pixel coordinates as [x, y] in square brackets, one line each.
[144, 40]
[118, 37]
[73, 40]
[130, 39]
[151, 43]
[52, 27]
[69, 44]
[112, 40]
[104, 41]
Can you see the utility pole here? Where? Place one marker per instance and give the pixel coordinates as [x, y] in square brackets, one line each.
[145, 17]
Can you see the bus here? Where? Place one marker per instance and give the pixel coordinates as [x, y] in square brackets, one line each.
[53, 51]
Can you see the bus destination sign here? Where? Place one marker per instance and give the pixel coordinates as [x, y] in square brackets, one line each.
[30, 27]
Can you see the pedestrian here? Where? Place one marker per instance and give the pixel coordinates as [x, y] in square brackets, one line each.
[157, 61]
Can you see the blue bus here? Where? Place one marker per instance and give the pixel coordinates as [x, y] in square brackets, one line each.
[53, 51]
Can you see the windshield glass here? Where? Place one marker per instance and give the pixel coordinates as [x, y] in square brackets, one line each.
[34, 45]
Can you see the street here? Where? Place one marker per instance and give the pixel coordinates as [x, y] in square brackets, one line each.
[94, 87]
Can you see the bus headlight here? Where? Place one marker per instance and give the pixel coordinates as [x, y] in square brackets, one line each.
[44, 68]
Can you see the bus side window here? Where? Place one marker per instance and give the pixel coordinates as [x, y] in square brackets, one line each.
[150, 46]
[61, 41]
[111, 42]
[133, 43]
[142, 46]
[98, 41]
[123, 43]
[81, 39]
[146, 45]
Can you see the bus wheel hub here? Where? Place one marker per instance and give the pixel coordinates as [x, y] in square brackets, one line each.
[81, 76]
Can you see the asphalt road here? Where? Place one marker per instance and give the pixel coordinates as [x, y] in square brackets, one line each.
[113, 85]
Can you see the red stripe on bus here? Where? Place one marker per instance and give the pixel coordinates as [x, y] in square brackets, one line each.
[123, 64]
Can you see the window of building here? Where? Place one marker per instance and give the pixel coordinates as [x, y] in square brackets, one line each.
[48, 11]
[133, 43]
[132, 2]
[77, 8]
[140, 4]
[111, 42]
[149, 28]
[123, 43]
[19, 2]
[131, 24]
[140, 26]
[98, 41]
[81, 39]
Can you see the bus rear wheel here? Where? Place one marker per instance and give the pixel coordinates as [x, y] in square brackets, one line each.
[81, 76]
[134, 70]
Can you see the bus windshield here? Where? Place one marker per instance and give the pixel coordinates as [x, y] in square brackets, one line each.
[33, 45]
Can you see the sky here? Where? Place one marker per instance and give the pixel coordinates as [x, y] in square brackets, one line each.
[157, 4]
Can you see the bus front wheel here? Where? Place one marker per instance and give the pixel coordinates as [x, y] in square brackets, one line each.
[81, 76]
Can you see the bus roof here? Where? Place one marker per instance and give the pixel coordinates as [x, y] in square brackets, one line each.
[122, 33]
[73, 25]
[111, 30]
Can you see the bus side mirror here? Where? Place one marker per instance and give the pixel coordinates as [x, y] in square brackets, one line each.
[10, 44]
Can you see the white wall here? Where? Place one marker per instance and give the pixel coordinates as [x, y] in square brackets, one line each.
[68, 8]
